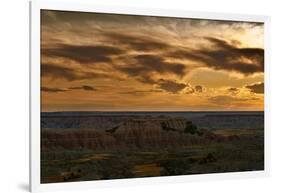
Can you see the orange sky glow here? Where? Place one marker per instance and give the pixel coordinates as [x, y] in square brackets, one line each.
[109, 62]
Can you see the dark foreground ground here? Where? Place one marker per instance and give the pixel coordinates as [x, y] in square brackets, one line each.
[146, 147]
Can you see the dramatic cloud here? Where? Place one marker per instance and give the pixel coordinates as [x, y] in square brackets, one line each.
[171, 86]
[56, 90]
[142, 92]
[83, 87]
[131, 62]
[139, 43]
[143, 66]
[189, 90]
[83, 53]
[233, 90]
[257, 88]
[224, 56]
[52, 90]
[198, 88]
[59, 72]
[228, 57]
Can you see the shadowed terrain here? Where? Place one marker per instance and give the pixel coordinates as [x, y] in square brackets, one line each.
[142, 146]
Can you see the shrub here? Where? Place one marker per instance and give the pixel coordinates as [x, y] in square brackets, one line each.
[190, 128]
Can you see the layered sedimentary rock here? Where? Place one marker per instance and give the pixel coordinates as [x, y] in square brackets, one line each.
[103, 122]
[76, 138]
[132, 133]
[160, 124]
[153, 132]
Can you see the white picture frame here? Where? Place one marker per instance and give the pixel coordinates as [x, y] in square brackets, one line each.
[36, 6]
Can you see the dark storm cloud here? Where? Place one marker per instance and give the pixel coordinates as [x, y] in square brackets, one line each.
[56, 90]
[198, 88]
[257, 88]
[171, 86]
[233, 89]
[146, 79]
[52, 90]
[224, 56]
[142, 66]
[83, 87]
[139, 43]
[228, 57]
[142, 92]
[83, 53]
[59, 72]
[156, 63]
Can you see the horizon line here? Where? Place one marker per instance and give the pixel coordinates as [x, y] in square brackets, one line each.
[154, 111]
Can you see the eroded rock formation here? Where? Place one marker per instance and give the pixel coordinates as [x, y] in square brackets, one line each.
[132, 133]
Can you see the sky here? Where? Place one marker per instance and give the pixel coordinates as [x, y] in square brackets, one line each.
[110, 62]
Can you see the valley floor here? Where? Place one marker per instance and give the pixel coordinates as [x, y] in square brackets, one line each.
[245, 152]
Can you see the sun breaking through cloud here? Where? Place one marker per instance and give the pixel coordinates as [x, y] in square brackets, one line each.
[108, 62]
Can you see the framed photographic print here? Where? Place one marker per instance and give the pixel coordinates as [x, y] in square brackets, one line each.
[124, 96]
